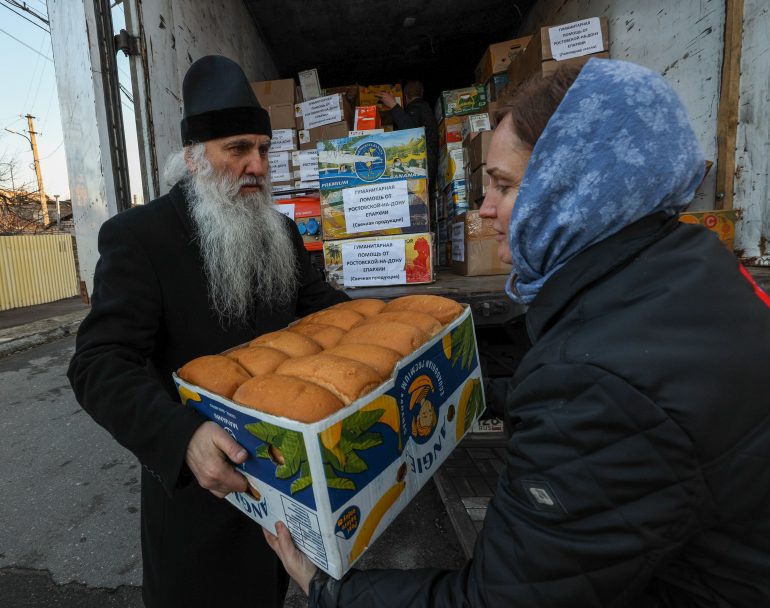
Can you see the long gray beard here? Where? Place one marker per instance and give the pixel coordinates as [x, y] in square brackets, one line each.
[247, 250]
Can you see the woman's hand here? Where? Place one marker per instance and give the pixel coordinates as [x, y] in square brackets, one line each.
[299, 567]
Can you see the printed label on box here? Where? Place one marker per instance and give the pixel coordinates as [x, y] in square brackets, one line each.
[282, 140]
[374, 263]
[279, 166]
[576, 39]
[375, 207]
[321, 111]
[307, 160]
[458, 242]
[286, 209]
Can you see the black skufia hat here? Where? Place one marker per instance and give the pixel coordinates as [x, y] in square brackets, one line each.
[218, 102]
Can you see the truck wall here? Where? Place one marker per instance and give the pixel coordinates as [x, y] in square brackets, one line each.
[684, 41]
[681, 40]
[752, 158]
[176, 34]
[86, 141]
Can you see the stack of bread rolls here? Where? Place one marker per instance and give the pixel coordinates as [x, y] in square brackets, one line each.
[326, 360]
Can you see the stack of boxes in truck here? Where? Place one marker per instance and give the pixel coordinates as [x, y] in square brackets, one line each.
[458, 112]
[375, 210]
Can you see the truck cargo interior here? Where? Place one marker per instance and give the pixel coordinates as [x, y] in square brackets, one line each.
[438, 43]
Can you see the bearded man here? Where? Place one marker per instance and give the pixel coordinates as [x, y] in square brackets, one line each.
[206, 267]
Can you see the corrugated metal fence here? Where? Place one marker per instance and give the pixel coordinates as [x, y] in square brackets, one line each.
[35, 269]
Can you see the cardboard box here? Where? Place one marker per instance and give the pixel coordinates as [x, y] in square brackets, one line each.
[458, 102]
[349, 91]
[282, 116]
[496, 85]
[720, 222]
[309, 138]
[305, 212]
[477, 186]
[557, 43]
[367, 96]
[583, 37]
[451, 167]
[366, 118]
[310, 85]
[382, 208]
[322, 111]
[401, 259]
[492, 107]
[474, 248]
[376, 157]
[498, 57]
[274, 92]
[474, 123]
[477, 145]
[450, 130]
[548, 67]
[283, 140]
[396, 438]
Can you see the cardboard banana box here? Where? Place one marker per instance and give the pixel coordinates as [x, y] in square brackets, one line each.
[340, 482]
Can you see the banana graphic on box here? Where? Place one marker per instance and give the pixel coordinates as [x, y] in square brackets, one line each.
[469, 398]
[186, 395]
[367, 529]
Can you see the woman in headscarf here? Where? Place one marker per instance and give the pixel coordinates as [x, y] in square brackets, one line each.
[638, 471]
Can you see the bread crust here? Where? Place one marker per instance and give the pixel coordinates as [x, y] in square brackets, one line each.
[443, 309]
[287, 397]
[402, 338]
[215, 373]
[290, 343]
[346, 379]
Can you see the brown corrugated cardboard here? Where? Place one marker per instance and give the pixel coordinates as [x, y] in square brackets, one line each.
[546, 50]
[281, 116]
[349, 91]
[550, 66]
[498, 56]
[474, 247]
[538, 50]
[476, 188]
[478, 145]
[274, 92]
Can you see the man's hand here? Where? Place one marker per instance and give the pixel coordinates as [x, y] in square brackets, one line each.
[299, 567]
[210, 456]
[387, 99]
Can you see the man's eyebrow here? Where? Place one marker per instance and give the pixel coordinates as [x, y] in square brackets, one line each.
[240, 142]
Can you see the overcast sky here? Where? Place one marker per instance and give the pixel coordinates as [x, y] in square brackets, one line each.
[28, 85]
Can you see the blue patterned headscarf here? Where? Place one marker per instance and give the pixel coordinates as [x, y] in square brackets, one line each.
[618, 148]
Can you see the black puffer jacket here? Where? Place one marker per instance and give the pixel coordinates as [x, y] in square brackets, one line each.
[638, 469]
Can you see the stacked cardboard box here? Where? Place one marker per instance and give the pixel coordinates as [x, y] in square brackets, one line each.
[492, 70]
[322, 118]
[372, 185]
[367, 96]
[557, 45]
[475, 148]
[305, 212]
[278, 97]
[474, 246]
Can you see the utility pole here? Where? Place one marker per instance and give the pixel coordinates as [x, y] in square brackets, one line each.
[40, 188]
[33, 145]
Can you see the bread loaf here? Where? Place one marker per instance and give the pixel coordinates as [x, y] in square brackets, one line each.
[402, 338]
[339, 317]
[290, 343]
[287, 397]
[430, 325]
[258, 360]
[214, 373]
[325, 335]
[381, 359]
[443, 309]
[346, 379]
[367, 307]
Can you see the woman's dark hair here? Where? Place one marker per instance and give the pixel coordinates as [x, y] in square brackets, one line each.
[534, 102]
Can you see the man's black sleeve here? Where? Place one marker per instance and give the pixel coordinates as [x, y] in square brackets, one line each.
[109, 372]
[406, 119]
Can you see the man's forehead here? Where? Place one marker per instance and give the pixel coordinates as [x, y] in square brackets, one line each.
[245, 137]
